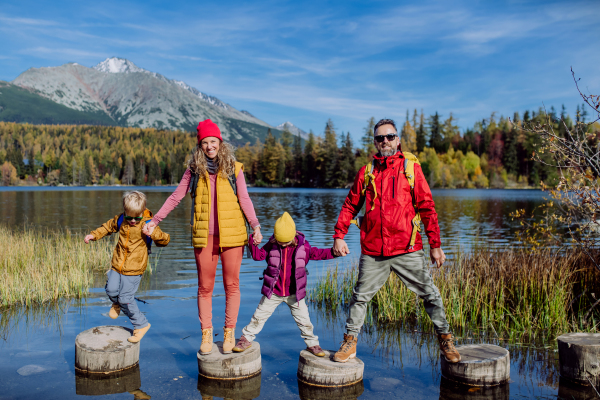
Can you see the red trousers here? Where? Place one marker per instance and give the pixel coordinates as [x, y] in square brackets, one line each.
[207, 259]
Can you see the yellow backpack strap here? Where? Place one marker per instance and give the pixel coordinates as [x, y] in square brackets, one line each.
[409, 171]
[369, 178]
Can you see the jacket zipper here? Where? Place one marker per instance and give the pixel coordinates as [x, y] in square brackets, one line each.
[284, 277]
[393, 187]
[126, 251]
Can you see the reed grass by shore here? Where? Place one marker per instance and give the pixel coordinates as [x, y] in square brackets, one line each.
[509, 290]
[41, 265]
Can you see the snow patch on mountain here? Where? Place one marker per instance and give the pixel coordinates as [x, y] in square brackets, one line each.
[116, 65]
[293, 129]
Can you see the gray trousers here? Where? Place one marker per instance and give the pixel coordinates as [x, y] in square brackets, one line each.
[267, 306]
[121, 289]
[413, 271]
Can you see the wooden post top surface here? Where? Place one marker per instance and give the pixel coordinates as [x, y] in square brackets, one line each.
[581, 338]
[107, 338]
[477, 353]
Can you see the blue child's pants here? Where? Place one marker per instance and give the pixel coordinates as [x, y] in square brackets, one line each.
[121, 289]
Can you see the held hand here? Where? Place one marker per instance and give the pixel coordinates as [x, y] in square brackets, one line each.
[257, 236]
[340, 248]
[148, 228]
[437, 256]
[88, 238]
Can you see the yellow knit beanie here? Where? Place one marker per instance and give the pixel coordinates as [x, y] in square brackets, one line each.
[285, 228]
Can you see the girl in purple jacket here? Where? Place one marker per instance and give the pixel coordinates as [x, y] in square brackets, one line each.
[287, 254]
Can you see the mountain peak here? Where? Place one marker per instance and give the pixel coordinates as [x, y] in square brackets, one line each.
[117, 65]
[293, 129]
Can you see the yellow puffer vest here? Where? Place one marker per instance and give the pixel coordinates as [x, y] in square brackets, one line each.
[232, 224]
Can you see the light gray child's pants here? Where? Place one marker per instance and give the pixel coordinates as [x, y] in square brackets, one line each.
[267, 306]
[121, 289]
[413, 271]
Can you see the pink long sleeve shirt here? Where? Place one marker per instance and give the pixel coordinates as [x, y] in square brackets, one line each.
[213, 223]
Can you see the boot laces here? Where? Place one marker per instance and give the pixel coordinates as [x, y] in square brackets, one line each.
[206, 336]
[448, 345]
[346, 344]
[227, 335]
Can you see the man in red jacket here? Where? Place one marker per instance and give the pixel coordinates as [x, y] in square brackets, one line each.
[385, 236]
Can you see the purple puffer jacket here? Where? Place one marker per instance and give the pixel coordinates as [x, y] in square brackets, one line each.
[272, 252]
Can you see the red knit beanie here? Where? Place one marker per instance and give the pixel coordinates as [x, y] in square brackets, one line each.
[208, 128]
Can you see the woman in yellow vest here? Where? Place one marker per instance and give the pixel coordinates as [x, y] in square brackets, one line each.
[220, 210]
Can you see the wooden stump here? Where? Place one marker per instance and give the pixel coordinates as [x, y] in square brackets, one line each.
[450, 390]
[105, 349]
[239, 389]
[481, 365]
[102, 384]
[311, 392]
[579, 357]
[323, 371]
[230, 366]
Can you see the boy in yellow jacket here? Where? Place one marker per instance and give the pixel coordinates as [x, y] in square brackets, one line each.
[130, 258]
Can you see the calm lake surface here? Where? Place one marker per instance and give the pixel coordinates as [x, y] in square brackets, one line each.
[399, 363]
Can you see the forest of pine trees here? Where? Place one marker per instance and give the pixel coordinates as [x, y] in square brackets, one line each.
[496, 152]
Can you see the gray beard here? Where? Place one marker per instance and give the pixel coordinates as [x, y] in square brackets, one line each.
[388, 153]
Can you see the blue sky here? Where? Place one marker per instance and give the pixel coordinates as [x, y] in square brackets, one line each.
[346, 60]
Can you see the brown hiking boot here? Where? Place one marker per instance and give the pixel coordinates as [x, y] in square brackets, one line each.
[140, 395]
[447, 347]
[347, 350]
[316, 350]
[115, 310]
[242, 345]
[228, 340]
[207, 341]
[138, 334]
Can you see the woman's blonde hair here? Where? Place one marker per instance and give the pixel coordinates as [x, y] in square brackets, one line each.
[134, 202]
[225, 160]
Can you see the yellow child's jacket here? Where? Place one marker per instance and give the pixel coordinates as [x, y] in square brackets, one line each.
[131, 254]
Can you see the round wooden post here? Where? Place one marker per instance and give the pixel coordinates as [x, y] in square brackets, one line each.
[230, 366]
[238, 389]
[323, 371]
[579, 357]
[481, 365]
[105, 349]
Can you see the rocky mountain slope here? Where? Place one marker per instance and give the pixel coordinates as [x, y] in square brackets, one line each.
[293, 129]
[132, 96]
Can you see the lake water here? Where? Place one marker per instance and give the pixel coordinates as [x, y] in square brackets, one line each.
[399, 363]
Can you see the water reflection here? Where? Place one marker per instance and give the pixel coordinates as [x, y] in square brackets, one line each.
[310, 392]
[117, 382]
[568, 390]
[454, 391]
[230, 389]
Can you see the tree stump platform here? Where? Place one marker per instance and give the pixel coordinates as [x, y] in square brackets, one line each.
[102, 384]
[579, 357]
[105, 350]
[311, 392]
[238, 389]
[323, 371]
[481, 365]
[217, 365]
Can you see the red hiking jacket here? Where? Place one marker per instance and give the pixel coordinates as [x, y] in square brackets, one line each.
[386, 230]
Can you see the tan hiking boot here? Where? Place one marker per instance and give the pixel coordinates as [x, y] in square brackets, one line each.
[242, 344]
[447, 347]
[139, 394]
[207, 341]
[138, 334]
[228, 340]
[347, 349]
[115, 310]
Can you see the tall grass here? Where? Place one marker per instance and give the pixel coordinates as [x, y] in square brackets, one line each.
[41, 265]
[507, 291]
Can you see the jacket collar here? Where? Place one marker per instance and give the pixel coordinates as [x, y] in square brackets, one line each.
[386, 160]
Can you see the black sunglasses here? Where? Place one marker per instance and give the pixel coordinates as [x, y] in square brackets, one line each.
[128, 218]
[390, 137]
